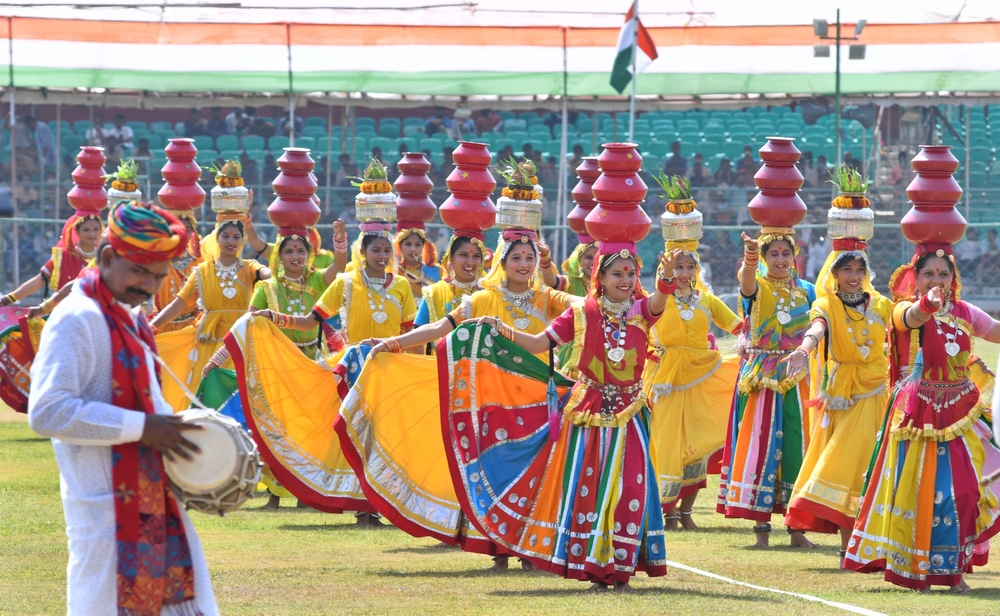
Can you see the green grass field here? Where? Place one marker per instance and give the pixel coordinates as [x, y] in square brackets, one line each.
[296, 561]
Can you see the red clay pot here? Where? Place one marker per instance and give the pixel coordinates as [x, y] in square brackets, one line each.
[294, 188]
[778, 203]
[619, 190]
[180, 190]
[414, 204]
[933, 218]
[88, 194]
[471, 184]
[583, 194]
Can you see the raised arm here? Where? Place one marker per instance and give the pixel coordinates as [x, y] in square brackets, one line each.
[748, 271]
[921, 312]
[545, 266]
[253, 239]
[665, 283]
[50, 302]
[29, 287]
[339, 252]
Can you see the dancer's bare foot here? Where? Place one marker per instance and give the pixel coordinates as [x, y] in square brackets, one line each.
[687, 521]
[527, 566]
[368, 520]
[671, 520]
[763, 533]
[845, 537]
[798, 540]
[273, 502]
[961, 587]
[499, 564]
[623, 587]
[443, 545]
[598, 587]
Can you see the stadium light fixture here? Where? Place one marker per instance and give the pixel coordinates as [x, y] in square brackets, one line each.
[820, 27]
[858, 27]
[856, 52]
[821, 51]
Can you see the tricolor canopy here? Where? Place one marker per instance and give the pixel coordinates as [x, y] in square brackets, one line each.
[495, 47]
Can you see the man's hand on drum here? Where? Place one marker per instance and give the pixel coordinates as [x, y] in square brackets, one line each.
[164, 434]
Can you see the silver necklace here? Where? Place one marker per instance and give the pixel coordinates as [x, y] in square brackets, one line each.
[516, 304]
[951, 346]
[228, 274]
[614, 346]
[377, 306]
[685, 304]
[88, 255]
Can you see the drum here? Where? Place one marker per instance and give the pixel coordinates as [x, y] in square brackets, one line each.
[224, 474]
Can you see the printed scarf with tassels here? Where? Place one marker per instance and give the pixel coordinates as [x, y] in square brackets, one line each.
[154, 561]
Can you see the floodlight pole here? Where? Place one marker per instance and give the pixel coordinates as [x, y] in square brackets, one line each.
[635, 76]
[836, 104]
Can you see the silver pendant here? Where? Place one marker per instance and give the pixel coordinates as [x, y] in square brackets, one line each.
[522, 322]
[952, 348]
[229, 292]
[865, 351]
[616, 354]
[379, 317]
[687, 315]
[784, 317]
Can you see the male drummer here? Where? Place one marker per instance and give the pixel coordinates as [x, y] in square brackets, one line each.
[95, 390]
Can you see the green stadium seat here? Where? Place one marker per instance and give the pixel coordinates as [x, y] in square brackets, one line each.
[434, 145]
[203, 142]
[253, 142]
[319, 121]
[389, 131]
[306, 142]
[277, 142]
[227, 142]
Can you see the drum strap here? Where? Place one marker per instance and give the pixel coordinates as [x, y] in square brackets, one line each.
[163, 365]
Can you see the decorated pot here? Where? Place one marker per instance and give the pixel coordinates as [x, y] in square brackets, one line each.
[681, 221]
[231, 199]
[294, 188]
[115, 195]
[414, 188]
[618, 191]
[933, 219]
[518, 214]
[778, 203]
[88, 193]
[375, 207]
[471, 184]
[180, 190]
[583, 194]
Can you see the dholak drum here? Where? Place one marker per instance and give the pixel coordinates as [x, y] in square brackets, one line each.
[224, 474]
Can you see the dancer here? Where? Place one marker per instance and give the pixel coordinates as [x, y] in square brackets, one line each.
[769, 420]
[463, 261]
[416, 259]
[850, 321]
[511, 291]
[923, 512]
[77, 247]
[577, 269]
[689, 384]
[291, 402]
[221, 287]
[127, 556]
[569, 488]
[180, 271]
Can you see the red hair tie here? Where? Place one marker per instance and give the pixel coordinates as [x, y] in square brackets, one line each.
[849, 243]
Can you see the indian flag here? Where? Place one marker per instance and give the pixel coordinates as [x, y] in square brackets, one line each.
[621, 73]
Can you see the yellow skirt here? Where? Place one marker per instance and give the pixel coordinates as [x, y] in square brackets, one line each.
[390, 428]
[186, 358]
[689, 420]
[290, 403]
[828, 489]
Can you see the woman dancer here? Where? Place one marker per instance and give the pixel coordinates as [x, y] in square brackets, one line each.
[291, 402]
[569, 488]
[511, 291]
[416, 260]
[180, 271]
[463, 260]
[577, 269]
[689, 385]
[77, 246]
[848, 332]
[768, 423]
[221, 287]
[923, 512]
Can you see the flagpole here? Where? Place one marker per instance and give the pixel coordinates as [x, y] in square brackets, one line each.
[635, 76]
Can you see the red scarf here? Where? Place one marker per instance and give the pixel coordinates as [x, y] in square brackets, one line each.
[154, 561]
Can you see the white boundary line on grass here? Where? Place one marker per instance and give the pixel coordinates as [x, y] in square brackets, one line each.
[840, 606]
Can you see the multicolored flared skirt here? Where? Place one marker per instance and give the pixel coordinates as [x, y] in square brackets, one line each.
[19, 337]
[923, 515]
[763, 453]
[584, 505]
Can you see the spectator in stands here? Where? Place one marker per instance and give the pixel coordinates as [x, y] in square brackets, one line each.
[24, 146]
[896, 174]
[968, 252]
[141, 152]
[852, 162]
[822, 170]
[675, 164]
[819, 247]
[437, 123]
[95, 134]
[488, 121]
[195, 125]
[236, 122]
[699, 175]
[747, 163]
[217, 124]
[286, 129]
[808, 170]
[724, 175]
[740, 196]
[250, 170]
[25, 193]
[577, 159]
[403, 149]
[347, 170]
[261, 128]
[113, 151]
[506, 153]
[44, 141]
[526, 152]
[51, 193]
[122, 132]
[548, 171]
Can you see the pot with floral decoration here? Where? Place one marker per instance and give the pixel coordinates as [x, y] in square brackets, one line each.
[125, 183]
[681, 220]
[376, 201]
[229, 193]
[851, 215]
[519, 206]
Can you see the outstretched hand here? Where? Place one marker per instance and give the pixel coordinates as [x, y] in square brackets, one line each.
[796, 362]
[668, 261]
[749, 243]
[936, 297]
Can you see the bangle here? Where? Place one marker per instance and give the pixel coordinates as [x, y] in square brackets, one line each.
[813, 336]
[392, 344]
[545, 264]
[925, 306]
[748, 250]
[666, 286]
[803, 349]
[47, 305]
[505, 330]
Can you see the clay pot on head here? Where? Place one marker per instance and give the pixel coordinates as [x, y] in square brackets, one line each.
[933, 218]
[619, 190]
[88, 193]
[778, 203]
[470, 184]
[294, 189]
[180, 190]
[583, 194]
[414, 187]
